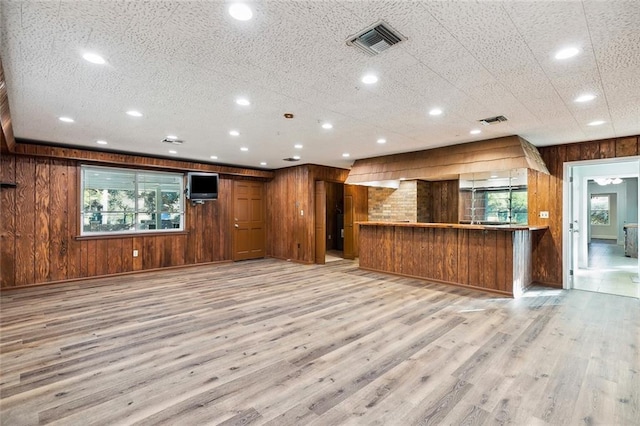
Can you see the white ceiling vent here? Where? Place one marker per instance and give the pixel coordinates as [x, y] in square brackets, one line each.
[493, 120]
[376, 38]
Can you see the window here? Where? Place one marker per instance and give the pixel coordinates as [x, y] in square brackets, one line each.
[599, 211]
[504, 206]
[126, 201]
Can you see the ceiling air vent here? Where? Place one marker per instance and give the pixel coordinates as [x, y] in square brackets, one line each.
[173, 141]
[493, 120]
[291, 159]
[376, 38]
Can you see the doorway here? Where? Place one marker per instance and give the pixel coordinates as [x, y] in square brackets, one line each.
[601, 204]
[338, 208]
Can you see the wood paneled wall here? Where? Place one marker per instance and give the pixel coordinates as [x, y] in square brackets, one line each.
[40, 225]
[443, 200]
[546, 193]
[290, 210]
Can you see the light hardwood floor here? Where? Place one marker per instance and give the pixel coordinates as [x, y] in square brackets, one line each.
[271, 342]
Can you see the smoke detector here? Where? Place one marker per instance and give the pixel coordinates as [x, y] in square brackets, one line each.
[493, 120]
[376, 38]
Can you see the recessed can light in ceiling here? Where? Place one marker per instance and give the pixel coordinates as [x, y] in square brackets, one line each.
[369, 79]
[234, 133]
[67, 119]
[94, 58]
[288, 115]
[345, 155]
[596, 123]
[296, 157]
[263, 163]
[243, 102]
[244, 149]
[585, 98]
[240, 11]
[475, 132]
[172, 151]
[172, 137]
[101, 142]
[298, 146]
[134, 113]
[567, 53]
[435, 111]
[381, 141]
[327, 126]
[214, 157]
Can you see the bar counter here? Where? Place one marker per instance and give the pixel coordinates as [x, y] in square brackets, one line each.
[495, 258]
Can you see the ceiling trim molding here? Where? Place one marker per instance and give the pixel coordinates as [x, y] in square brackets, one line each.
[8, 139]
[122, 159]
[492, 155]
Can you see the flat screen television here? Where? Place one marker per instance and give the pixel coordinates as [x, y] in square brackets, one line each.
[202, 186]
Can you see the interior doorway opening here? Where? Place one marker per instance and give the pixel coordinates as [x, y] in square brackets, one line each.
[601, 199]
[334, 214]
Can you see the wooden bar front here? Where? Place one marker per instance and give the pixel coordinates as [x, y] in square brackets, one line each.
[491, 258]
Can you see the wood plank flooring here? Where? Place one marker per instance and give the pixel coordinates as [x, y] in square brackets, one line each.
[278, 343]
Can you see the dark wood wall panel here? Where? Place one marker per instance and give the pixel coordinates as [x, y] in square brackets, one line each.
[546, 194]
[469, 257]
[7, 221]
[443, 201]
[40, 228]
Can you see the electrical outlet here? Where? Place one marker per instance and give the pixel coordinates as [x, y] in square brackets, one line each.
[135, 253]
[544, 215]
[301, 212]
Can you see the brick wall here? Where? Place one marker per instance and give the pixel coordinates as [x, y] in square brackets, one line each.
[394, 205]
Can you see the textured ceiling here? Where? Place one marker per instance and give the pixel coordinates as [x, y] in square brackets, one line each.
[183, 64]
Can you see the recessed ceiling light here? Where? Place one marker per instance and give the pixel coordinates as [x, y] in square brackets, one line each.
[214, 157]
[243, 102]
[345, 155]
[263, 163]
[298, 146]
[67, 119]
[172, 137]
[327, 126]
[381, 141]
[370, 79]
[240, 11]
[94, 58]
[475, 132]
[234, 133]
[244, 148]
[134, 113]
[569, 52]
[296, 157]
[596, 123]
[585, 98]
[101, 142]
[435, 111]
[172, 151]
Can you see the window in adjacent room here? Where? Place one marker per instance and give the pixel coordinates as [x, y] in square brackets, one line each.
[126, 201]
[599, 210]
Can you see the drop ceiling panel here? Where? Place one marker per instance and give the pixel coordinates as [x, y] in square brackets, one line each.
[183, 64]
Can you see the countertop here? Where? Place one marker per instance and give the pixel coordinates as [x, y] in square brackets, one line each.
[457, 226]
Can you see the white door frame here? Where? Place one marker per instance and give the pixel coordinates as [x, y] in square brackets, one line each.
[567, 237]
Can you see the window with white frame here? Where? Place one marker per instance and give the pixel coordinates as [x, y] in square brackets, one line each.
[126, 201]
[599, 209]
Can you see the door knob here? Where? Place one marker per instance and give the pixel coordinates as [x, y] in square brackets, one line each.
[236, 225]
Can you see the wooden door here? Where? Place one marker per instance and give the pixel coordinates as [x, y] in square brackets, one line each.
[355, 210]
[320, 221]
[249, 223]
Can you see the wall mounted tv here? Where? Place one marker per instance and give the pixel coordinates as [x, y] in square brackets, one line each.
[202, 186]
